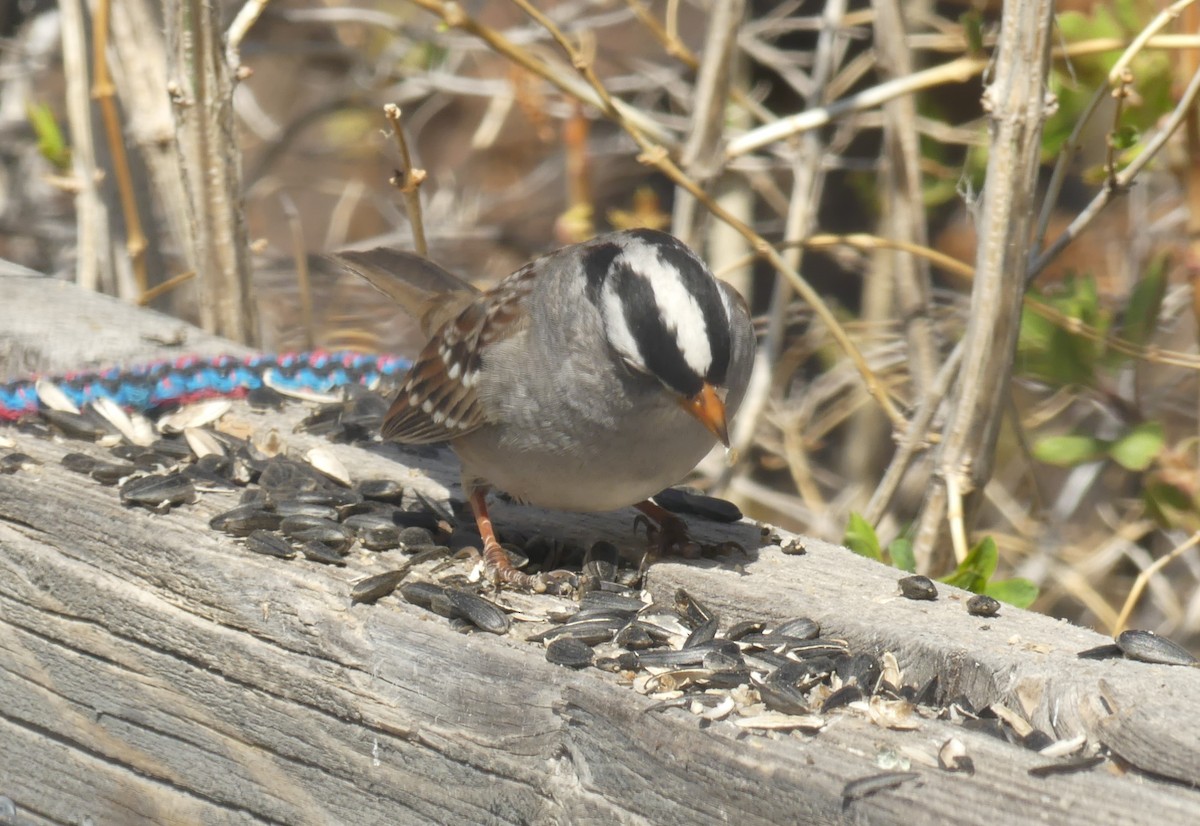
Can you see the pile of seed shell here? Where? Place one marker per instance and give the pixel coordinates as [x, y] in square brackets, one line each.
[288, 506]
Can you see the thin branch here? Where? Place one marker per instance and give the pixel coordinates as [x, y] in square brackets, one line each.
[104, 93]
[300, 259]
[701, 153]
[95, 257]
[408, 181]
[238, 29]
[956, 71]
[455, 17]
[1017, 102]
[1121, 181]
[1143, 579]
[1160, 22]
[916, 437]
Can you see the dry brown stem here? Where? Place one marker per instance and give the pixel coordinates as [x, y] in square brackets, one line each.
[104, 93]
[1018, 108]
[408, 181]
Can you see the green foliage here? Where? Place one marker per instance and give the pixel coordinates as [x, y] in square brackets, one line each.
[1057, 356]
[901, 551]
[1145, 301]
[974, 574]
[1139, 447]
[861, 538]
[1074, 82]
[972, 25]
[1068, 451]
[51, 143]
[1048, 352]
[1134, 450]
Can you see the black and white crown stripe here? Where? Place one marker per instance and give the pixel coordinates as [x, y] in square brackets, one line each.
[664, 312]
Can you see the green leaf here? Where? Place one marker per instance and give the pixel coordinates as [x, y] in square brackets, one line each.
[1123, 137]
[1017, 591]
[1168, 504]
[972, 25]
[973, 573]
[861, 538]
[1138, 448]
[1145, 301]
[1068, 451]
[1047, 351]
[51, 143]
[900, 550]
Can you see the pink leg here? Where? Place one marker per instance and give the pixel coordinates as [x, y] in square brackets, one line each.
[495, 560]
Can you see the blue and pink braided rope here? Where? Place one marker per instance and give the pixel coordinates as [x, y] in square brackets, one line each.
[191, 378]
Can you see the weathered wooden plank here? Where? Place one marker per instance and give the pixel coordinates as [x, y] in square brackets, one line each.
[153, 671]
[49, 326]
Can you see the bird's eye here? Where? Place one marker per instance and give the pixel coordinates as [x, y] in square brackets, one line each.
[634, 367]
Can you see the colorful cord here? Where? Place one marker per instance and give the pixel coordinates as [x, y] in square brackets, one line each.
[149, 386]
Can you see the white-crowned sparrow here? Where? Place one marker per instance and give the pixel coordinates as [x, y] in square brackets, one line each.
[588, 380]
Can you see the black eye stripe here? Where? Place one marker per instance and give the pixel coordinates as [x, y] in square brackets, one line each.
[597, 263]
[658, 346]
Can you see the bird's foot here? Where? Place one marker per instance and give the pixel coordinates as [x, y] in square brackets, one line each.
[666, 531]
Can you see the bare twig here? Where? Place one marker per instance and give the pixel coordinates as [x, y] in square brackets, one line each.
[1121, 181]
[454, 16]
[904, 209]
[408, 181]
[105, 95]
[1120, 95]
[202, 91]
[915, 438]
[955, 71]
[1143, 578]
[1017, 102]
[678, 49]
[700, 156]
[247, 15]
[806, 177]
[1160, 22]
[95, 267]
[164, 287]
[1065, 156]
[300, 259]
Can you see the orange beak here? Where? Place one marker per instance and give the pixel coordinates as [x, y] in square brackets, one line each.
[709, 410]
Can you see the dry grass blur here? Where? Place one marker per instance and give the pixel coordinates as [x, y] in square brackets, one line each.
[518, 163]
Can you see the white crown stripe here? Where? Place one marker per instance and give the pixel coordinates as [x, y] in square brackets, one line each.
[678, 308]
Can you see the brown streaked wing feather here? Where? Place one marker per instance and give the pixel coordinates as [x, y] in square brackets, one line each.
[426, 291]
[437, 401]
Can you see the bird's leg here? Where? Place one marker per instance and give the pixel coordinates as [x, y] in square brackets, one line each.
[667, 530]
[496, 564]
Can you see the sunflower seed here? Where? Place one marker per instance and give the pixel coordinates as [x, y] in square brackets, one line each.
[270, 544]
[981, 605]
[378, 586]
[158, 491]
[918, 587]
[570, 652]
[320, 552]
[1148, 647]
[244, 519]
[382, 490]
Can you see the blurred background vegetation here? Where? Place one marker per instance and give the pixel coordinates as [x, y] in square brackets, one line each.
[209, 156]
